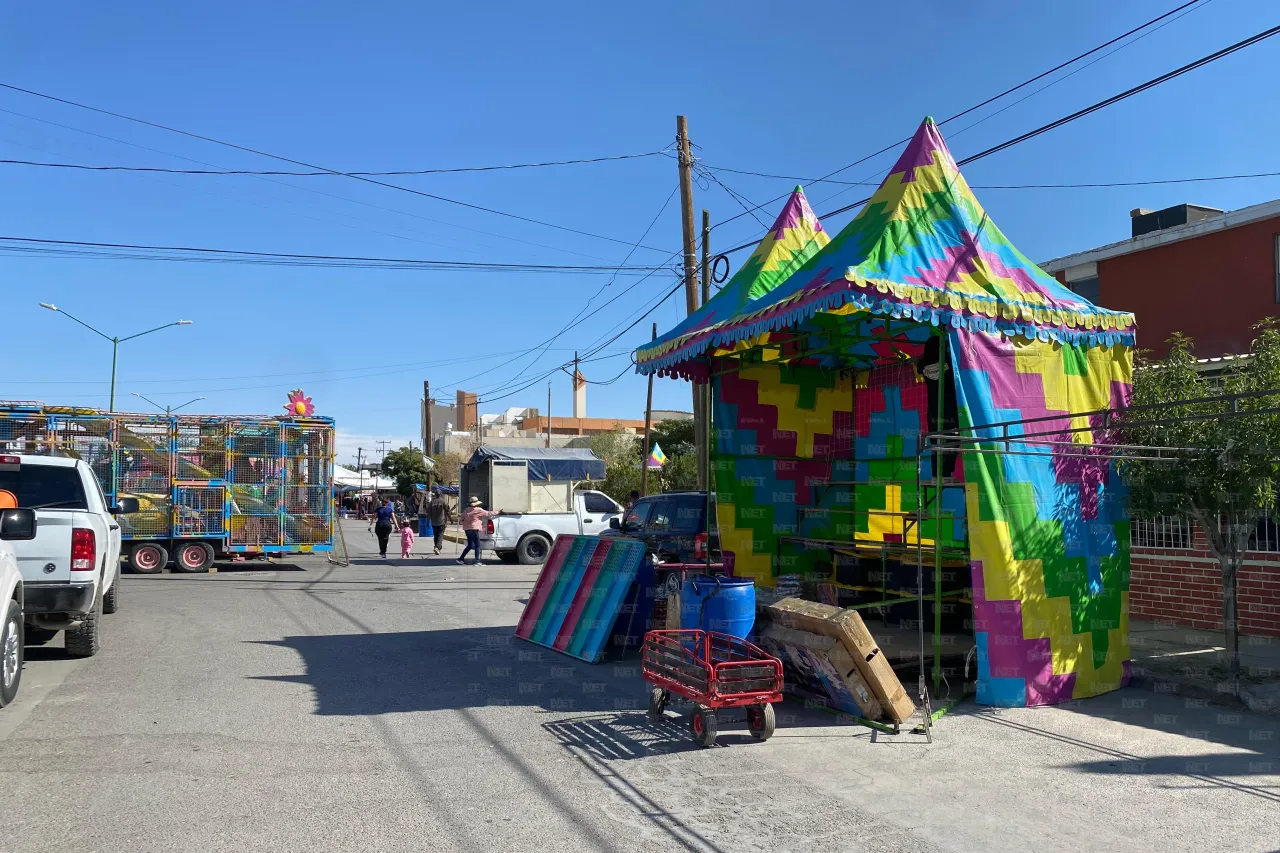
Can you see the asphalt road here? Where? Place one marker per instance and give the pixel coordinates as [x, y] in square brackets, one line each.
[386, 706]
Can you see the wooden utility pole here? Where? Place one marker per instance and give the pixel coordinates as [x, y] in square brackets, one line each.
[426, 425]
[648, 419]
[685, 161]
[548, 413]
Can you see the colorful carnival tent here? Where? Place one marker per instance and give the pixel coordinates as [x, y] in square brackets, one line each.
[796, 236]
[920, 316]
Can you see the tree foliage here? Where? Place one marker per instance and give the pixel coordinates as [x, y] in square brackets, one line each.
[448, 468]
[623, 454]
[1218, 462]
[407, 466]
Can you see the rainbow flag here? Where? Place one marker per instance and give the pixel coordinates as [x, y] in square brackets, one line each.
[657, 458]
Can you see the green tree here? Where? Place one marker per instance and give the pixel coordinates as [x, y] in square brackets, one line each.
[407, 467]
[680, 474]
[674, 437]
[1217, 462]
[448, 468]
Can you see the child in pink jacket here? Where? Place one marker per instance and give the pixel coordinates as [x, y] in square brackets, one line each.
[406, 540]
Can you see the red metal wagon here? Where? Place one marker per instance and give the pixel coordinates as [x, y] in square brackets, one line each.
[713, 671]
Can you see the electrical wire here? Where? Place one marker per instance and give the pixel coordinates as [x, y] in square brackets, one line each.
[132, 251]
[306, 165]
[1020, 186]
[1045, 128]
[601, 291]
[284, 172]
[984, 103]
[305, 189]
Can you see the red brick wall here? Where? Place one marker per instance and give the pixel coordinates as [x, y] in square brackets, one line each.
[1169, 287]
[1184, 586]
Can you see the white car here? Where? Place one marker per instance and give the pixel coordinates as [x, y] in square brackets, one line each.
[526, 537]
[71, 568]
[15, 524]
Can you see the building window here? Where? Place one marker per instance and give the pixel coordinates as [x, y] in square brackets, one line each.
[1277, 260]
[1166, 531]
[1086, 288]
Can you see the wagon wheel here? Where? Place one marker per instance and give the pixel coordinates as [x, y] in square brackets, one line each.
[703, 724]
[760, 721]
[657, 705]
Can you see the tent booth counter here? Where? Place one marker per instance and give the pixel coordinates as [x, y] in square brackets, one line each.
[833, 360]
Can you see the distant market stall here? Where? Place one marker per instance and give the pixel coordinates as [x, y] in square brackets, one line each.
[831, 360]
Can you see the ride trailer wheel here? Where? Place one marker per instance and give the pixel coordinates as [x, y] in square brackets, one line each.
[148, 558]
[657, 705]
[193, 557]
[703, 724]
[760, 721]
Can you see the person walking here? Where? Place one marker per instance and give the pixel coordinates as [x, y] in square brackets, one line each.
[438, 513]
[472, 517]
[406, 539]
[383, 522]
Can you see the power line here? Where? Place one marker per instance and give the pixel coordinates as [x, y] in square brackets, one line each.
[133, 251]
[284, 172]
[1031, 134]
[984, 103]
[311, 190]
[1017, 186]
[407, 365]
[597, 294]
[306, 165]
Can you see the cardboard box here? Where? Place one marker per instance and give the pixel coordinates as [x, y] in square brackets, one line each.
[820, 664]
[847, 626]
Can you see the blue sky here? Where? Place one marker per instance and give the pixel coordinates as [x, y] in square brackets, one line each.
[397, 85]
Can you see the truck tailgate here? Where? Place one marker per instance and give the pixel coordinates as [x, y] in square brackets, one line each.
[51, 547]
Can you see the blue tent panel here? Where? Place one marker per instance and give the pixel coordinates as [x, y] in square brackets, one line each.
[546, 463]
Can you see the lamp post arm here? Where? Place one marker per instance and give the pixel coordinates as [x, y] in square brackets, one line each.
[147, 332]
[86, 325]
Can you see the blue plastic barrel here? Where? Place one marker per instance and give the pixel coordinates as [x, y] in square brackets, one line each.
[722, 604]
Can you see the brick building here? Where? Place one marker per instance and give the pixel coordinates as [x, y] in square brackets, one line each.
[1174, 578]
[1211, 275]
[1205, 272]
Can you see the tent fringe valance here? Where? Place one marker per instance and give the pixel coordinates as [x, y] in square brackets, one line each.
[886, 305]
[921, 304]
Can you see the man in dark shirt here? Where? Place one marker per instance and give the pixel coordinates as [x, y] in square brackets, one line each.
[438, 513]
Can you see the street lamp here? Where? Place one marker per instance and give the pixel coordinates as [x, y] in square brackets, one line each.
[115, 342]
[167, 409]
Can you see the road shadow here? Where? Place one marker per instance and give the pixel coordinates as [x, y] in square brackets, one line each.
[1252, 741]
[371, 673]
[229, 568]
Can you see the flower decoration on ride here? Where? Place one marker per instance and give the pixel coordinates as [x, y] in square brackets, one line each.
[299, 404]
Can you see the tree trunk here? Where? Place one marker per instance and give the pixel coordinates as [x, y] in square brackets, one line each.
[1228, 547]
[1230, 622]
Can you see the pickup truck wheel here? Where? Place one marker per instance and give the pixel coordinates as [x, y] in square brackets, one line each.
[84, 642]
[148, 558]
[193, 557]
[533, 549]
[10, 653]
[111, 601]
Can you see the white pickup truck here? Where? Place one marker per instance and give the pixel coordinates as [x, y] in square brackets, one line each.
[14, 524]
[526, 537]
[71, 568]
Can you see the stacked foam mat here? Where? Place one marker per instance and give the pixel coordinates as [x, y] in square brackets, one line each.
[852, 668]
